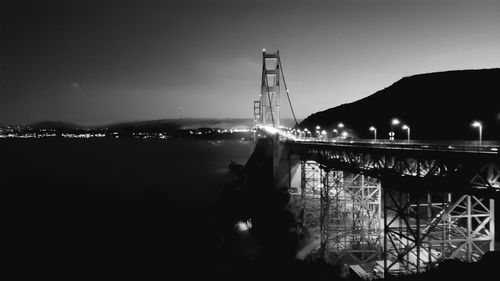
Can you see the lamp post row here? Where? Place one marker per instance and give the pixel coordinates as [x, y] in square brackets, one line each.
[394, 122]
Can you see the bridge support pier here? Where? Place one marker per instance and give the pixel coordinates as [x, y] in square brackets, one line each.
[422, 229]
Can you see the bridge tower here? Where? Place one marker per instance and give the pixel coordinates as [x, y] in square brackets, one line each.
[266, 109]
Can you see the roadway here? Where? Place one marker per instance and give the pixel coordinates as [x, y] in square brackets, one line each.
[484, 147]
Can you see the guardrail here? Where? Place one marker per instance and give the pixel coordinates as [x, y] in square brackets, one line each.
[484, 147]
[491, 147]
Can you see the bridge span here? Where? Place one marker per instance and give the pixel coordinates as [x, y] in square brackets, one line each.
[389, 206]
[381, 207]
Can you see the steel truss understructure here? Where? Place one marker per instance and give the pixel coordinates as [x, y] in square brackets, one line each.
[436, 168]
[343, 210]
[422, 229]
[435, 205]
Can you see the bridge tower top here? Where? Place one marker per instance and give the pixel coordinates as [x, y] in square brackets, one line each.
[266, 109]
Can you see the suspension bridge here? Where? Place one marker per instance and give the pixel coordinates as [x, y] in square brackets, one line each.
[380, 206]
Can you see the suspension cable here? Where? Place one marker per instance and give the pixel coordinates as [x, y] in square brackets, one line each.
[286, 89]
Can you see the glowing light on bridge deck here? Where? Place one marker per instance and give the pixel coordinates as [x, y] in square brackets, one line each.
[270, 129]
[374, 130]
[406, 127]
[480, 126]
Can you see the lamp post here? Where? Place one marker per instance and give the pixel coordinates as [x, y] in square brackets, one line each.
[374, 132]
[391, 133]
[480, 126]
[336, 132]
[406, 127]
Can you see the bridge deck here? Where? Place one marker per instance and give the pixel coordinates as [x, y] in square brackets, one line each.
[491, 147]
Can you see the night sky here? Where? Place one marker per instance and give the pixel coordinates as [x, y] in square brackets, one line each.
[98, 62]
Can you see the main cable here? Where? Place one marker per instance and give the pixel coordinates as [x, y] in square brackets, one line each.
[286, 89]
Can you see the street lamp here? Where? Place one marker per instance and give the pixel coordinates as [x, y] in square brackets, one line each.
[374, 132]
[405, 127]
[480, 126]
[394, 121]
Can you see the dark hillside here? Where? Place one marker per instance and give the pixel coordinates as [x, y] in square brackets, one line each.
[436, 106]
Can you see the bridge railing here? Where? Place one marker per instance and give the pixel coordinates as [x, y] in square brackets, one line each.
[490, 147]
[414, 145]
